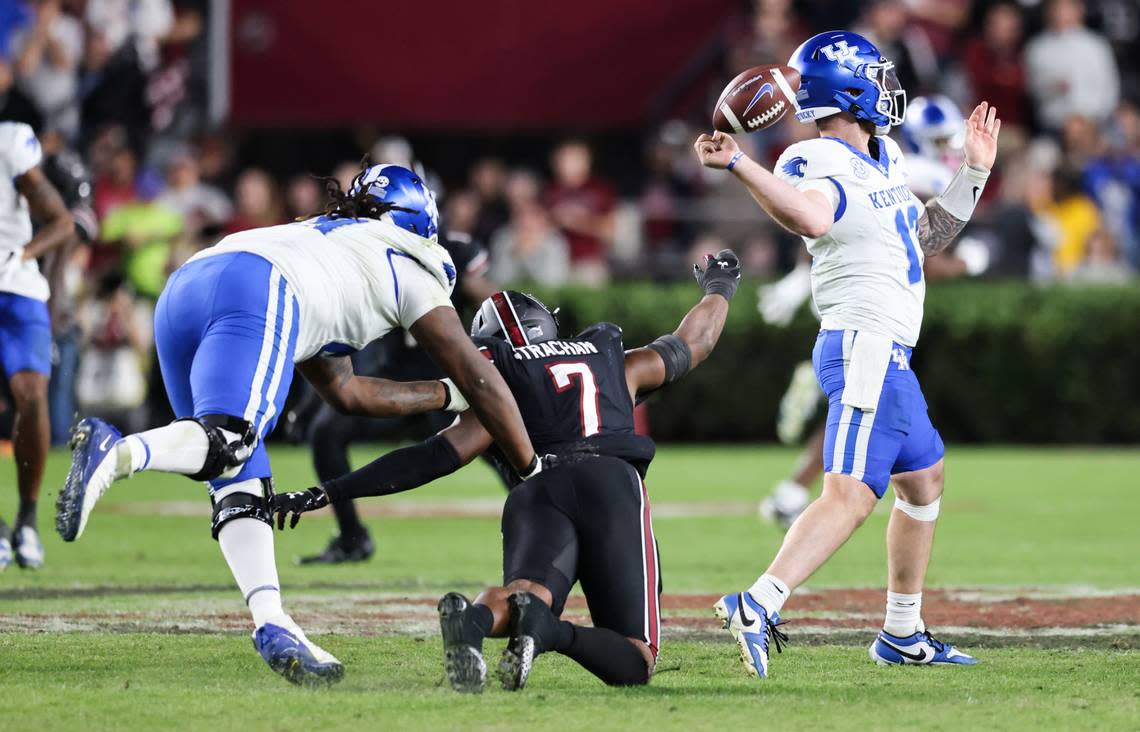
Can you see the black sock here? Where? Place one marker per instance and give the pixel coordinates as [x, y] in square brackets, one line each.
[26, 514]
[348, 520]
[477, 623]
[608, 655]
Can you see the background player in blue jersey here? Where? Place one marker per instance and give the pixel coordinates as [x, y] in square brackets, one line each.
[229, 327]
[847, 194]
[25, 328]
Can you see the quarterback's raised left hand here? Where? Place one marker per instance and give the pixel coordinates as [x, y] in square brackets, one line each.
[981, 136]
[297, 503]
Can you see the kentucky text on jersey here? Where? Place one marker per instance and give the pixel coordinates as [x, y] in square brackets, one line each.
[547, 349]
[890, 196]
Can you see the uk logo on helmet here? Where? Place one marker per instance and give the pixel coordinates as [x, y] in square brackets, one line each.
[839, 51]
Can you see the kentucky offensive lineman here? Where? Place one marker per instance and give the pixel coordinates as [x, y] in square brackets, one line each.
[586, 517]
[25, 329]
[846, 194]
[230, 325]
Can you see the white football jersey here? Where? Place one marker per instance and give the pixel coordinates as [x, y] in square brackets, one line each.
[354, 279]
[866, 272]
[19, 153]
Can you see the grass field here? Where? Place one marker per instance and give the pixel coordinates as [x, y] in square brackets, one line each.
[138, 626]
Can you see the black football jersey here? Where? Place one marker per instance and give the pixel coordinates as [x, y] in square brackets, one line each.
[573, 395]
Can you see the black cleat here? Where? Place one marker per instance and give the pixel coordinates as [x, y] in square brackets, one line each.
[463, 662]
[341, 549]
[530, 624]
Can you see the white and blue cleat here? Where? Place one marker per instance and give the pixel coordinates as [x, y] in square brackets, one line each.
[6, 554]
[27, 547]
[93, 469]
[920, 648]
[752, 628]
[289, 653]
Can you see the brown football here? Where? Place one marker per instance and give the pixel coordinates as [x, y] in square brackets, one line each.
[757, 98]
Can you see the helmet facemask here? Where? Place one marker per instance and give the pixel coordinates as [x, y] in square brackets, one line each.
[892, 97]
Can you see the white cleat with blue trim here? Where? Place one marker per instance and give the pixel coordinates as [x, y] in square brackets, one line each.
[752, 628]
[920, 648]
[94, 467]
[288, 652]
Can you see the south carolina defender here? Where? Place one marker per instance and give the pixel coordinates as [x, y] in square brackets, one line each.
[846, 194]
[26, 195]
[229, 327]
[584, 519]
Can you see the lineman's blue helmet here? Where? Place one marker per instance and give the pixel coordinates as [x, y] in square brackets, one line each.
[400, 196]
[934, 126]
[841, 71]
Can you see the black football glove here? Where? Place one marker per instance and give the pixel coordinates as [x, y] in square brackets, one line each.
[721, 275]
[298, 503]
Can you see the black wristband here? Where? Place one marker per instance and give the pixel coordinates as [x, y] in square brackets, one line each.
[400, 470]
[676, 355]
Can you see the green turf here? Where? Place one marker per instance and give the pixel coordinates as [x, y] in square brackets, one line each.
[1011, 516]
[205, 682]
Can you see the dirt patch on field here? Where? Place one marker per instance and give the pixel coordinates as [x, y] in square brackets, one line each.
[1018, 616]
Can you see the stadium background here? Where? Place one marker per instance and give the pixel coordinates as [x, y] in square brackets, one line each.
[536, 122]
[559, 137]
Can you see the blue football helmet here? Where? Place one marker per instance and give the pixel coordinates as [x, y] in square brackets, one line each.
[841, 71]
[409, 202]
[934, 127]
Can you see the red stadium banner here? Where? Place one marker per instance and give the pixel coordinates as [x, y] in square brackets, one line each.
[456, 64]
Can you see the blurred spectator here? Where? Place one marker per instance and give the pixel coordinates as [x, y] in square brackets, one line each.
[136, 26]
[1111, 175]
[343, 173]
[885, 23]
[488, 181]
[15, 106]
[47, 54]
[773, 33]
[1076, 219]
[147, 234]
[993, 63]
[666, 195]
[582, 206]
[529, 249]
[1101, 263]
[303, 197]
[112, 90]
[1070, 68]
[112, 375]
[115, 167]
[204, 208]
[460, 215]
[256, 203]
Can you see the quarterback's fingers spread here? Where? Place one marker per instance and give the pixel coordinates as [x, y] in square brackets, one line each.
[997, 129]
[990, 119]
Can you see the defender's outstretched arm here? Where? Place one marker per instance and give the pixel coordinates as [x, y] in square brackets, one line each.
[672, 356]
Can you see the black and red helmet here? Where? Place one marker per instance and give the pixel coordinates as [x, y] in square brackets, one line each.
[516, 317]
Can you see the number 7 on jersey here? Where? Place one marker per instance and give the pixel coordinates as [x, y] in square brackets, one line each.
[564, 375]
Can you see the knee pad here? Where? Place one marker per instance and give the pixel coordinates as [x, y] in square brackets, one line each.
[929, 512]
[231, 443]
[237, 502]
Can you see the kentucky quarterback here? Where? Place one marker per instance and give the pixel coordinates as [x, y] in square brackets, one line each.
[229, 327]
[847, 194]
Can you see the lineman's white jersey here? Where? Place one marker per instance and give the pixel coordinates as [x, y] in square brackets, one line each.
[354, 279]
[867, 270]
[19, 153]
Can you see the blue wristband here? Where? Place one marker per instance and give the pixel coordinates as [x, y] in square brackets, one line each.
[734, 160]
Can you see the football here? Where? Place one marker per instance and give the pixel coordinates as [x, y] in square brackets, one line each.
[757, 98]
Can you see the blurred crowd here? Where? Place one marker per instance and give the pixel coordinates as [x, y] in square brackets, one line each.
[120, 88]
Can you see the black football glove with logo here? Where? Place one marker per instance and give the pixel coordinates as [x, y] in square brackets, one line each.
[297, 503]
[721, 275]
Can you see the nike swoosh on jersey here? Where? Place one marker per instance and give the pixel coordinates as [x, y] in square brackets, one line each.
[976, 189]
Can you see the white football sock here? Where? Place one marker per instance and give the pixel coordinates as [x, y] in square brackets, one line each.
[179, 447]
[247, 545]
[770, 591]
[904, 614]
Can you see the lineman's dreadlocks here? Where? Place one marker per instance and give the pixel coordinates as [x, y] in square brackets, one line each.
[356, 203]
